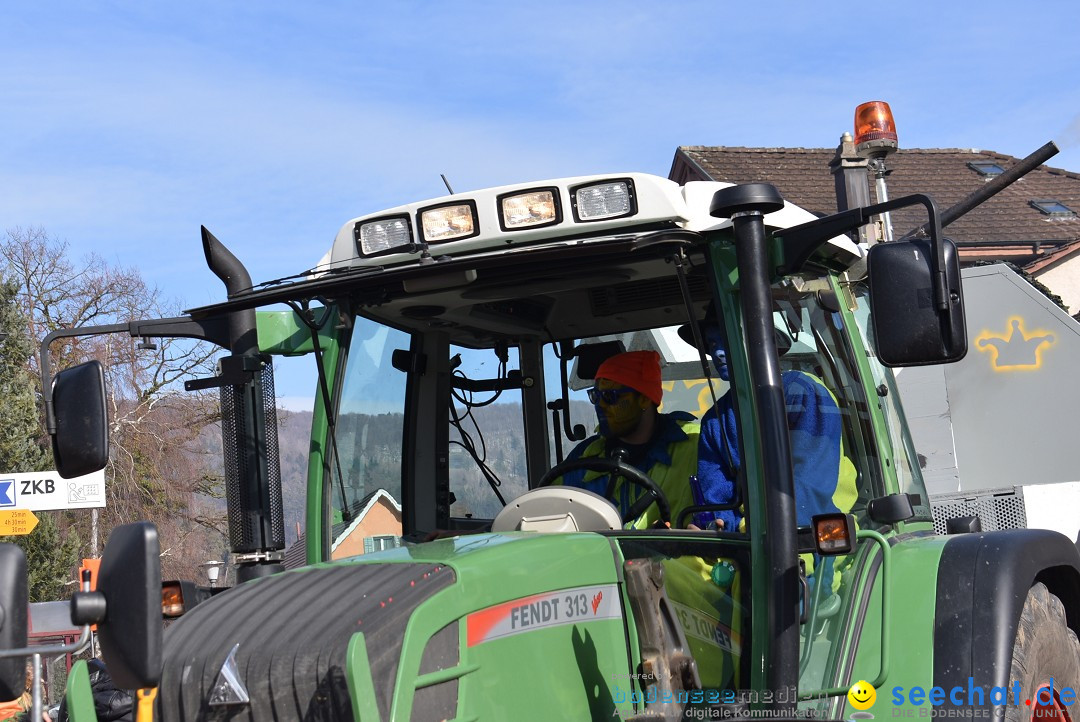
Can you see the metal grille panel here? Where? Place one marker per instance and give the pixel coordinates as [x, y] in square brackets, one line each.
[243, 486]
[639, 295]
[273, 462]
[241, 533]
[996, 509]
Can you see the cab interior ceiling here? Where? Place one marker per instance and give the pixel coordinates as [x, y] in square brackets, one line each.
[511, 302]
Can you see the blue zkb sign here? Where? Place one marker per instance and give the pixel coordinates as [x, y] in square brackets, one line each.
[7, 493]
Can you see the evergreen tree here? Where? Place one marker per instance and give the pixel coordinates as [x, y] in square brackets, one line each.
[50, 559]
[20, 431]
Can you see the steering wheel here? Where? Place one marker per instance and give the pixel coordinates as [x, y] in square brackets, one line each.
[617, 467]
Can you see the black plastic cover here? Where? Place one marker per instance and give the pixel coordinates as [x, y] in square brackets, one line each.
[591, 355]
[748, 197]
[87, 608]
[963, 525]
[13, 613]
[130, 579]
[890, 509]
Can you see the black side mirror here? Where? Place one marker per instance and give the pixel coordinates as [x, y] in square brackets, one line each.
[915, 290]
[910, 329]
[130, 580]
[13, 621]
[81, 439]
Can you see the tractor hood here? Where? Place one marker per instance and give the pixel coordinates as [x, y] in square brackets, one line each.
[277, 647]
[281, 642]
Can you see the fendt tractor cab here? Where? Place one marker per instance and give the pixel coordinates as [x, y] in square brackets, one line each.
[455, 339]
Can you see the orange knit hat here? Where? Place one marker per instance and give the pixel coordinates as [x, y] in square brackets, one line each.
[640, 370]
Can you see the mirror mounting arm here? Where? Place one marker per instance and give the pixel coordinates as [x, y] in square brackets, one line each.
[232, 371]
[800, 242]
[46, 364]
[213, 329]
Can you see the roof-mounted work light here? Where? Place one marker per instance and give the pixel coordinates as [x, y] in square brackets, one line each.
[531, 209]
[601, 201]
[384, 235]
[450, 222]
[875, 130]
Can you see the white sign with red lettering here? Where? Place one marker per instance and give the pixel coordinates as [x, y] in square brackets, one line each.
[540, 611]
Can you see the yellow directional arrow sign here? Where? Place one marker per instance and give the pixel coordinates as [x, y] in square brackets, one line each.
[16, 522]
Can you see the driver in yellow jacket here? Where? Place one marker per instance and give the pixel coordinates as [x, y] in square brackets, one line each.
[626, 395]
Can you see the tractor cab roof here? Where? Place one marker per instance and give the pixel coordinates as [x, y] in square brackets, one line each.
[566, 258]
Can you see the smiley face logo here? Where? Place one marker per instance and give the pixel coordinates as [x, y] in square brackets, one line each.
[862, 695]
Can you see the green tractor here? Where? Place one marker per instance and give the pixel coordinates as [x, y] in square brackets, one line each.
[455, 340]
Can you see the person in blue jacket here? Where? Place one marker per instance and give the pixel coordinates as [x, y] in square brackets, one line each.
[824, 476]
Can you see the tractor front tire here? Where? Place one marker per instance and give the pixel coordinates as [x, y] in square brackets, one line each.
[1045, 660]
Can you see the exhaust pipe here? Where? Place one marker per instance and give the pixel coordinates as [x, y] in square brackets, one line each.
[248, 431]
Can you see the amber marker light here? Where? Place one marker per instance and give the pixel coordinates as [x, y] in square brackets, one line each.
[172, 600]
[875, 130]
[834, 534]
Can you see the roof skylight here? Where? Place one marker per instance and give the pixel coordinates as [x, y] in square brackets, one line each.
[986, 168]
[1052, 208]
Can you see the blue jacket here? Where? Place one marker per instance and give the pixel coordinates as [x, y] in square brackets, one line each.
[824, 477]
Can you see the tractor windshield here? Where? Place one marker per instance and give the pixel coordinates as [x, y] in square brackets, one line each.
[453, 403]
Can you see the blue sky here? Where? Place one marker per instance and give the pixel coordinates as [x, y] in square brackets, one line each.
[127, 125]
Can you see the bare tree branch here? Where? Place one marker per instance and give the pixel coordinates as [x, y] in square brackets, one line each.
[160, 469]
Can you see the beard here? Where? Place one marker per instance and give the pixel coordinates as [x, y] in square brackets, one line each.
[618, 421]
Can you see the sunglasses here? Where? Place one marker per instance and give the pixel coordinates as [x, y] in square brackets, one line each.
[610, 397]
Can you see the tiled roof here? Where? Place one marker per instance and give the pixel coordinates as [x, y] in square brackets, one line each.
[296, 554]
[359, 510]
[802, 175]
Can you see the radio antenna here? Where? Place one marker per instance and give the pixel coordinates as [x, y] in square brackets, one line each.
[446, 183]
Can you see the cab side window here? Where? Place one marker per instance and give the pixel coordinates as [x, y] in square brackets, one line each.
[820, 349]
[363, 484]
[487, 434]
